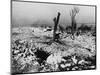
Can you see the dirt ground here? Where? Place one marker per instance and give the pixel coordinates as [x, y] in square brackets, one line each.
[34, 51]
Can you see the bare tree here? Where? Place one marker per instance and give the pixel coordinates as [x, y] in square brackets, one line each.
[56, 21]
[73, 13]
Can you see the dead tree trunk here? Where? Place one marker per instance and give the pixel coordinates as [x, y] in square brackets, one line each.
[73, 27]
[73, 13]
[56, 21]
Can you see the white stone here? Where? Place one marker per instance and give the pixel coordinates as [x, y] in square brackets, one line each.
[74, 60]
[68, 64]
[62, 65]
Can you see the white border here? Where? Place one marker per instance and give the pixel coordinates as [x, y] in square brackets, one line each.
[5, 37]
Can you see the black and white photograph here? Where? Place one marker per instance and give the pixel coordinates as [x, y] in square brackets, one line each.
[52, 37]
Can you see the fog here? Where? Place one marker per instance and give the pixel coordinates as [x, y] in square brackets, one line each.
[27, 13]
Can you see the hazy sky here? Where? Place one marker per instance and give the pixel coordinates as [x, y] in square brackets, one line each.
[26, 13]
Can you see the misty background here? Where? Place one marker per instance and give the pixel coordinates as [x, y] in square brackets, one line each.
[29, 13]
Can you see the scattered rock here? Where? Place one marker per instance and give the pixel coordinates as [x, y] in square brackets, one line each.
[62, 65]
[81, 62]
[92, 67]
[68, 64]
[74, 59]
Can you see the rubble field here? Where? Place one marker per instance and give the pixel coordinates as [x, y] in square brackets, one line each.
[32, 50]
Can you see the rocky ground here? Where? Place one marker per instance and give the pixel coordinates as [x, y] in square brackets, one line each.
[34, 51]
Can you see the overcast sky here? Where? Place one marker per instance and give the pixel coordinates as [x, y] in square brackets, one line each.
[27, 13]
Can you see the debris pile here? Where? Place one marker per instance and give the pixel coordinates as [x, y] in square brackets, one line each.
[38, 54]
